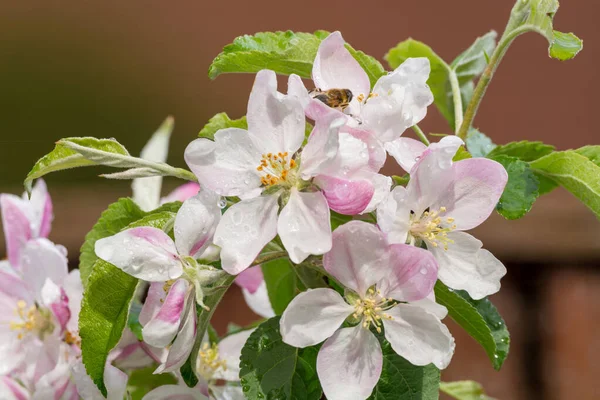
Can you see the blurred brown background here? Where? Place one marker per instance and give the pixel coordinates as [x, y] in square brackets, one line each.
[117, 69]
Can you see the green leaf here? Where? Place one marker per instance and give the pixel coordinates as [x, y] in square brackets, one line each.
[221, 121]
[187, 373]
[103, 316]
[478, 144]
[66, 157]
[521, 190]
[574, 172]
[142, 381]
[272, 369]
[592, 153]
[461, 154]
[466, 67]
[338, 220]
[281, 282]
[402, 380]
[464, 390]
[118, 215]
[537, 16]
[565, 46]
[283, 52]
[480, 319]
[133, 320]
[523, 150]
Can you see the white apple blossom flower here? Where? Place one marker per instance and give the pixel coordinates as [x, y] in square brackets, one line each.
[442, 200]
[383, 283]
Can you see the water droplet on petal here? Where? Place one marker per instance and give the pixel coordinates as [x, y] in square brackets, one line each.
[222, 203]
[423, 271]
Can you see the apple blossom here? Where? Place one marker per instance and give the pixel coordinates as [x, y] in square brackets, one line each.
[149, 254]
[266, 167]
[398, 101]
[443, 199]
[383, 282]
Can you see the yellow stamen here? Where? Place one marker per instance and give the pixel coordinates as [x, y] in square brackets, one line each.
[209, 361]
[432, 228]
[276, 168]
[372, 309]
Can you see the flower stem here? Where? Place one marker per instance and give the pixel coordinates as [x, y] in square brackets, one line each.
[457, 99]
[420, 134]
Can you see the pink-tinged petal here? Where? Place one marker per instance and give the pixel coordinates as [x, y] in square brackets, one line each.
[350, 161]
[154, 301]
[12, 352]
[346, 196]
[259, 301]
[381, 185]
[196, 222]
[335, 68]
[431, 306]
[349, 364]
[74, 291]
[419, 336]
[297, 89]
[182, 346]
[466, 266]
[114, 379]
[401, 101]
[393, 215]
[410, 274]
[245, 228]
[116, 382]
[323, 143]
[10, 389]
[55, 298]
[163, 327]
[182, 193]
[304, 226]
[13, 287]
[250, 279]
[432, 177]
[275, 121]
[478, 185]
[41, 205]
[359, 248]
[230, 350]
[313, 316]
[174, 392]
[130, 353]
[145, 253]
[41, 260]
[226, 166]
[16, 224]
[406, 152]
[376, 150]
[227, 392]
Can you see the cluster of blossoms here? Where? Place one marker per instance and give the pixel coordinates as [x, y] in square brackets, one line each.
[268, 189]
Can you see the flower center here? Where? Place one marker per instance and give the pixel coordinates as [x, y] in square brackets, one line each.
[209, 361]
[30, 320]
[372, 309]
[432, 228]
[363, 99]
[277, 169]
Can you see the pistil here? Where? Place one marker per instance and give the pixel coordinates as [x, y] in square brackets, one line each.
[432, 228]
[276, 168]
[372, 309]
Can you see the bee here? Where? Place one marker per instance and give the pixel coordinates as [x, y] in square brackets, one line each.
[335, 98]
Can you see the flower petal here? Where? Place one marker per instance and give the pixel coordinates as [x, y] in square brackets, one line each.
[162, 328]
[182, 346]
[145, 253]
[313, 316]
[154, 301]
[359, 248]
[13, 287]
[226, 166]
[393, 215]
[419, 336]
[175, 392]
[401, 101]
[478, 185]
[259, 301]
[381, 185]
[431, 306]
[346, 196]
[304, 226]
[41, 206]
[406, 152]
[56, 300]
[16, 224]
[74, 290]
[349, 364]
[335, 68]
[42, 260]
[230, 350]
[376, 150]
[250, 279]
[410, 274]
[245, 228]
[275, 121]
[466, 266]
[182, 193]
[196, 222]
[10, 389]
